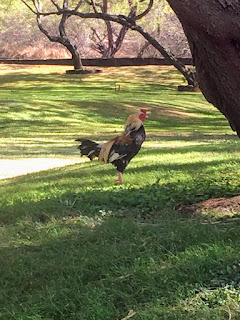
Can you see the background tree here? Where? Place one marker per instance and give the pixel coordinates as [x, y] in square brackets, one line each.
[163, 24]
[20, 37]
[11, 28]
[61, 37]
[127, 22]
[213, 32]
[114, 36]
[130, 23]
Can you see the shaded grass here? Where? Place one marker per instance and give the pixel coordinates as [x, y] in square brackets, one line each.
[75, 246]
[95, 273]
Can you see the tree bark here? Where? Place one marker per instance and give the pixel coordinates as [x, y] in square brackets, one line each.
[64, 40]
[77, 61]
[108, 52]
[213, 31]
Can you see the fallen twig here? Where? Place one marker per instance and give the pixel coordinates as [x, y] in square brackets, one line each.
[130, 314]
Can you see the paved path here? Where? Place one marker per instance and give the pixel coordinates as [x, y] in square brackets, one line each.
[10, 168]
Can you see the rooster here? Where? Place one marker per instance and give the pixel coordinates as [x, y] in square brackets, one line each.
[120, 150]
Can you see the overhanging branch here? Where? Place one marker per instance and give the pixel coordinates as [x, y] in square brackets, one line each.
[145, 12]
[79, 5]
[56, 4]
[29, 7]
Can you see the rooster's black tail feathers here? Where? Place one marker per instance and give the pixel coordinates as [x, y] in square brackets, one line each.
[89, 148]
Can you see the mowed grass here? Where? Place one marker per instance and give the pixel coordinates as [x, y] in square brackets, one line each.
[76, 246]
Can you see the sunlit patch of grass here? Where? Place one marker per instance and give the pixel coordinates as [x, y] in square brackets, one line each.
[73, 245]
[45, 102]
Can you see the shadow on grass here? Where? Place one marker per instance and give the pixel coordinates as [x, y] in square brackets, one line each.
[82, 251]
[77, 247]
[105, 271]
[51, 122]
[86, 188]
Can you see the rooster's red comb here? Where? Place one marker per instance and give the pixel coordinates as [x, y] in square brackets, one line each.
[143, 111]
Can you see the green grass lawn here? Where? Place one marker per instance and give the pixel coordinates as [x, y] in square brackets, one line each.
[73, 245]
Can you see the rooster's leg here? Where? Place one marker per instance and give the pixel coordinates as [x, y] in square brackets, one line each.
[120, 178]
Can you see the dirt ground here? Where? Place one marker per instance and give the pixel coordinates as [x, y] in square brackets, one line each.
[10, 168]
[217, 204]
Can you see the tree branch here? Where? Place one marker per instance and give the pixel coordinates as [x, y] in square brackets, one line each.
[120, 38]
[38, 7]
[65, 4]
[145, 12]
[55, 4]
[44, 31]
[62, 26]
[97, 35]
[92, 3]
[29, 7]
[131, 24]
[78, 5]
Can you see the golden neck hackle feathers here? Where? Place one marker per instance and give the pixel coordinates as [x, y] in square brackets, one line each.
[133, 123]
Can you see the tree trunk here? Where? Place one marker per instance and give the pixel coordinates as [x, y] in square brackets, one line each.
[77, 62]
[64, 40]
[213, 31]
[119, 40]
[108, 51]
